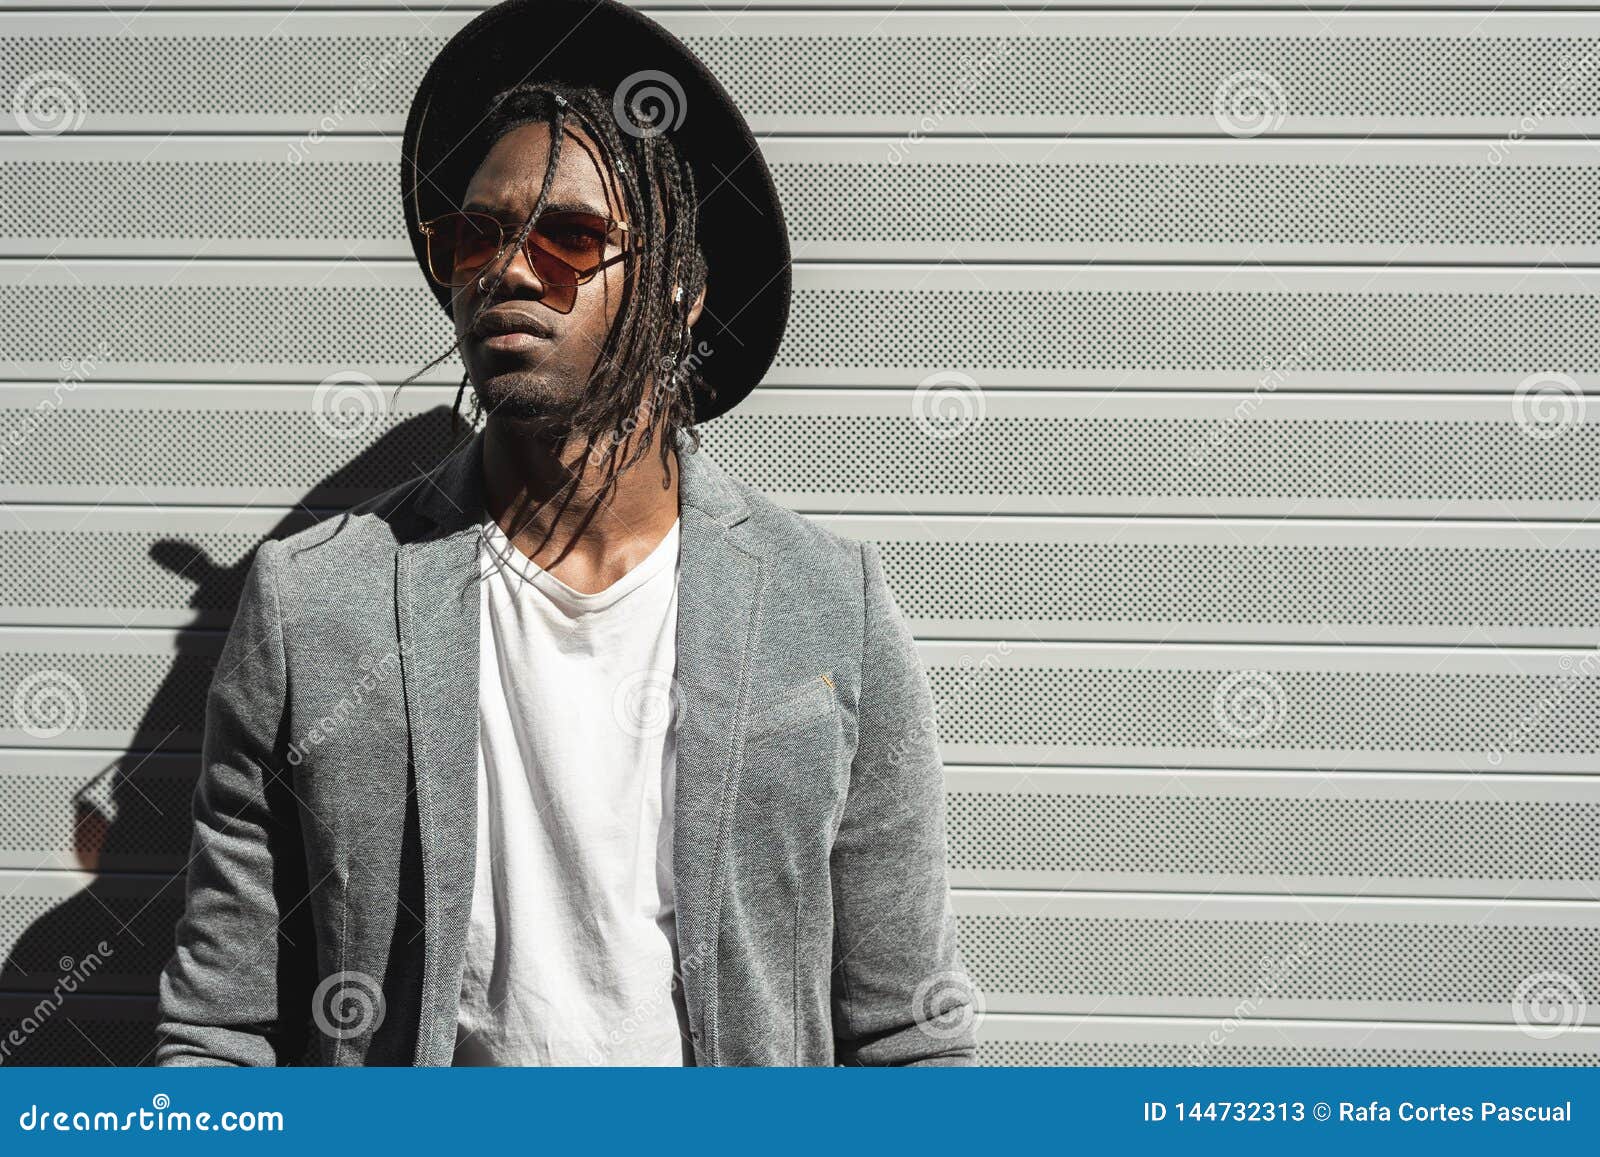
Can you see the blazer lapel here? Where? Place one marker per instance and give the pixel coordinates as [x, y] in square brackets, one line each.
[436, 588]
[721, 585]
[720, 590]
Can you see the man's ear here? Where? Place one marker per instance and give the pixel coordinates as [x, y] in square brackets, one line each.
[699, 304]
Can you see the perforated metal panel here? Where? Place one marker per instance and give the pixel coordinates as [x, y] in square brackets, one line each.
[81, 1030]
[1101, 200]
[837, 452]
[1459, 709]
[148, 566]
[77, 687]
[1260, 333]
[83, 810]
[1107, 1040]
[883, 72]
[1186, 830]
[1439, 709]
[1218, 385]
[989, 452]
[337, 443]
[1346, 958]
[111, 933]
[1238, 580]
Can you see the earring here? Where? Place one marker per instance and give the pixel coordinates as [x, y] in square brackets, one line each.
[483, 285]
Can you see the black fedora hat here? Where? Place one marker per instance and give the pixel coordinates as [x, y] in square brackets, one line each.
[611, 46]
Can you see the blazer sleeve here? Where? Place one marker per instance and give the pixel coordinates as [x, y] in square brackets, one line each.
[229, 995]
[901, 994]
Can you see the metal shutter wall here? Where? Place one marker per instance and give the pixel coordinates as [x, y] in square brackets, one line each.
[1217, 384]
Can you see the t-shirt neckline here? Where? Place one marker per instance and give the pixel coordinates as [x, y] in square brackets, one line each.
[499, 549]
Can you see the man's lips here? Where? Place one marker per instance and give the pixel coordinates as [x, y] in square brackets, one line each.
[511, 330]
[515, 340]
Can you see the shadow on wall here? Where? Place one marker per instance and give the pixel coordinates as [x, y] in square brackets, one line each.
[65, 999]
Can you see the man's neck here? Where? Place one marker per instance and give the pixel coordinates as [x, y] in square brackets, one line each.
[523, 491]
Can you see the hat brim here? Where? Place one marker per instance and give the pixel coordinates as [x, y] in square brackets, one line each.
[604, 43]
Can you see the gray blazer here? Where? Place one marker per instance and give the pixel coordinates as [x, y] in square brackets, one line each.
[331, 869]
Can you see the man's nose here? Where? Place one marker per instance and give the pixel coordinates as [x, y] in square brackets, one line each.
[520, 276]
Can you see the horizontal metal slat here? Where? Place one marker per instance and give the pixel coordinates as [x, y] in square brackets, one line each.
[1283, 330]
[1446, 709]
[1294, 958]
[1007, 1039]
[1378, 202]
[1139, 705]
[1023, 578]
[1347, 833]
[887, 72]
[953, 448]
[1181, 830]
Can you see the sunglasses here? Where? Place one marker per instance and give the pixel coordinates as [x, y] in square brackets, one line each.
[564, 248]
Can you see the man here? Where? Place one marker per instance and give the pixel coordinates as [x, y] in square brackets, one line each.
[574, 750]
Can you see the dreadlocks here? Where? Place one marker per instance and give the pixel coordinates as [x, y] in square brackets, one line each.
[643, 366]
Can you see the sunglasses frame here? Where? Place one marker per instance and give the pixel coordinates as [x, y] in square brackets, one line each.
[581, 276]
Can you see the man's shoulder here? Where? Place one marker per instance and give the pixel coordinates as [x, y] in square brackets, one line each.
[365, 532]
[798, 541]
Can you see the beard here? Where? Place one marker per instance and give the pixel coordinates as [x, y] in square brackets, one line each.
[529, 398]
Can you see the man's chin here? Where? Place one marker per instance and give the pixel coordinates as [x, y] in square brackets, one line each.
[525, 405]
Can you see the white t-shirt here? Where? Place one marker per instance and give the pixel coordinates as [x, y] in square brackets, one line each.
[571, 954]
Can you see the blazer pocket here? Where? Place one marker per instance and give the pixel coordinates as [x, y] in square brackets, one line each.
[775, 949]
[795, 709]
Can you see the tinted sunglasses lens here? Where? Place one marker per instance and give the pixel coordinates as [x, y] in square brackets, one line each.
[577, 241]
[461, 245]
